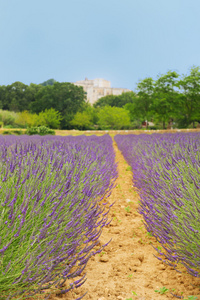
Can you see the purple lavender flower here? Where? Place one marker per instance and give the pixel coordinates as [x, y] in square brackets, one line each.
[51, 216]
[166, 170]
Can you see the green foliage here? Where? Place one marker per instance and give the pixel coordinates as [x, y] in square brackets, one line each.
[81, 120]
[135, 117]
[189, 97]
[48, 82]
[15, 97]
[162, 290]
[166, 99]
[41, 130]
[127, 209]
[143, 103]
[113, 118]
[86, 119]
[134, 293]
[50, 118]
[114, 100]
[25, 119]
[5, 132]
[7, 118]
[15, 132]
[64, 97]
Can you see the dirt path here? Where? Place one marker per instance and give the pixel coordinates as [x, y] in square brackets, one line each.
[128, 269]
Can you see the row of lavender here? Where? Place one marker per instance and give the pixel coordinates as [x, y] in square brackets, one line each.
[166, 172]
[51, 218]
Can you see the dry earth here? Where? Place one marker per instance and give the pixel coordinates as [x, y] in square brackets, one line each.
[127, 269]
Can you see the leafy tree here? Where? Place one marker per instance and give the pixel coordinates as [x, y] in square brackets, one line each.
[31, 92]
[87, 119]
[92, 112]
[48, 82]
[113, 100]
[113, 118]
[165, 98]
[106, 100]
[64, 97]
[18, 96]
[50, 118]
[143, 101]
[14, 97]
[8, 118]
[2, 95]
[136, 120]
[189, 86]
[81, 120]
[25, 119]
[126, 98]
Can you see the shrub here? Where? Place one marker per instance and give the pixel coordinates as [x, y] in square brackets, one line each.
[8, 126]
[82, 120]
[6, 132]
[8, 118]
[17, 132]
[26, 119]
[41, 130]
[50, 118]
[113, 118]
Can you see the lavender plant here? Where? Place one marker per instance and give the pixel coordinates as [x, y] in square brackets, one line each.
[51, 216]
[166, 172]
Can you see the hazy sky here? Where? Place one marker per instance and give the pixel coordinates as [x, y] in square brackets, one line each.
[119, 40]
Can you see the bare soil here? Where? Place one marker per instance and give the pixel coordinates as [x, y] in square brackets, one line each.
[128, 269]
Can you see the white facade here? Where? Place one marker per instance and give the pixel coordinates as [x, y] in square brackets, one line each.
[98, 88]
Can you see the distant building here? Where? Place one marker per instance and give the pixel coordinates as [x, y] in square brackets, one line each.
[98, 88]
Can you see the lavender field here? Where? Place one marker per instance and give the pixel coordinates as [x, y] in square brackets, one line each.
[51, 215]
[166, 173]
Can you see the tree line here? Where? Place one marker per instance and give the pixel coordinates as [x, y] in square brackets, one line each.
[170, 100]
[65, 98]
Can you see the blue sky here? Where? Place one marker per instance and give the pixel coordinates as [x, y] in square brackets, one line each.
[119, 40]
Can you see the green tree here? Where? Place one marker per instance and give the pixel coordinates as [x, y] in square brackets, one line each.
[64, 97]
[48, 82]
[189, 86]
[18, 96]
[25, 119]
[87, 119]
[15, 99]
[125, 98]
[143, 101]
[82, 121]
[31, 92]
[105, 101]
[50, 118]
[165, 99]
[136, 120]
[8, 118]
[113, 118]
[113, 100]
[2, 96]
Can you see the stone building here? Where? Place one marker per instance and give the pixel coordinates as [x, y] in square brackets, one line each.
[98, 88]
